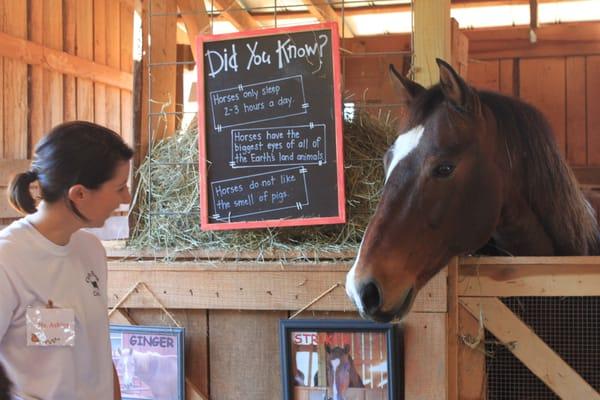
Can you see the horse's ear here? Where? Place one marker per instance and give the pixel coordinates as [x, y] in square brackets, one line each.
[347, 348]
[455, 89]
[404, 87]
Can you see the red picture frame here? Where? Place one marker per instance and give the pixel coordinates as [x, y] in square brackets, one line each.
[205, 220]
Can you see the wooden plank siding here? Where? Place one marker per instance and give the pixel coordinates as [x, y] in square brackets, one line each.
[15, 85]
[593, 109]
[36, 93]
[560, 75]
[49, 65]
[52, 81]
[100, 57]
[70, 46]
[566, 90]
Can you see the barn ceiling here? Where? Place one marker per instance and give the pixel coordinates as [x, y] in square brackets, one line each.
[376, 17]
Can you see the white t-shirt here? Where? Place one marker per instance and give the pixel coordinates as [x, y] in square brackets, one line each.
[34, 270]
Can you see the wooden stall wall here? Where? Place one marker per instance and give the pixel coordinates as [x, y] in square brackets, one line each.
[62, 60]
[231, 311]
[560, 74]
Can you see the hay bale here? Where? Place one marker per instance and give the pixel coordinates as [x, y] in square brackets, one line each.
[166, 201]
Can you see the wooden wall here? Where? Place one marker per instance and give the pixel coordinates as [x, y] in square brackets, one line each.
[561, 77]
[63, 60]
[231, 311]
[560, 74]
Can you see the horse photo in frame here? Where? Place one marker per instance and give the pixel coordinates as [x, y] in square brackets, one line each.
[339, 360]
[149, 361]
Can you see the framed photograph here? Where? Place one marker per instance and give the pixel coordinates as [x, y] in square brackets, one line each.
[149, 361]
[339, 360]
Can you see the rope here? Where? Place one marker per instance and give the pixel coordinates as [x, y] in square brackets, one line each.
[156, 299]
[313, 301]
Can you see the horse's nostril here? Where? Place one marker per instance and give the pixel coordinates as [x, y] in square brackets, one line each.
[370, 297]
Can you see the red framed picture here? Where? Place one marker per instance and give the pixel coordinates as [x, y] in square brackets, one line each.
[270, 128]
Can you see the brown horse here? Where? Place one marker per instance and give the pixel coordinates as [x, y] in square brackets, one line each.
[470, 170]
[341, 373]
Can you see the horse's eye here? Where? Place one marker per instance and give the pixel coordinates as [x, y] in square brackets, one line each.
[443, 170]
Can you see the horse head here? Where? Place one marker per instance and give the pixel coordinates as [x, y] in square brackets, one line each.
[442, 196]
[126, 366]
[469, 169]
[341, 373]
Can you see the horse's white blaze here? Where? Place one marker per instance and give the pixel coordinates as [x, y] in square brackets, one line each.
[403, 145]
[334, 364]
[351, 290]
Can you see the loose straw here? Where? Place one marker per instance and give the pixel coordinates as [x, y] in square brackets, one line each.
[319, 297]
[160, 304]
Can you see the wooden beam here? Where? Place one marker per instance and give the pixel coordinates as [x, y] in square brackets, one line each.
[324, 12]
[267, 17]
[460, 50]
[238, 16]
[530, 349]
[530, 276]
[452, 333]
[472, 378]
[533, 20]
[587, 176]
[559, 40]
[15, 87]
[195, 19]
[120, 317]
[247, 286]
[432, 39]
[61, 62]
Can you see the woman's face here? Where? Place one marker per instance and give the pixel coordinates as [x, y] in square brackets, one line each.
[100, 203]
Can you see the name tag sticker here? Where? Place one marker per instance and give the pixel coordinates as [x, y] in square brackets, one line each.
[50, 327]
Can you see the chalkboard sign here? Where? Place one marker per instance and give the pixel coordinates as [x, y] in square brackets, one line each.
[270, 128]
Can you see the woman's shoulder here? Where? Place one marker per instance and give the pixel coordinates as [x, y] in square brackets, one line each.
[86, 240]
[14, 233]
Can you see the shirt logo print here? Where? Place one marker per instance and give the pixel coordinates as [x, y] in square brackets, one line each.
[92, 279]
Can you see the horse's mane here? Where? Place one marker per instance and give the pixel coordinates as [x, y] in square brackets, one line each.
[546, 181]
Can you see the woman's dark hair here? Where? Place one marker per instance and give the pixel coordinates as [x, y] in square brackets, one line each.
[5, 385]
[72, 153]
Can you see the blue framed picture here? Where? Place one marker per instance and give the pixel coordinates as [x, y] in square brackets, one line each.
[340, 360]
[149, 361]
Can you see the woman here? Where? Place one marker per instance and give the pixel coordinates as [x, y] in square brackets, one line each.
[54, 339]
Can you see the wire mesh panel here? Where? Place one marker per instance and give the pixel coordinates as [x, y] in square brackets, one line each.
[167, 196]
[569, 325]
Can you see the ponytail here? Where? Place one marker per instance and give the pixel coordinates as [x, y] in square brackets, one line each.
[19, 195]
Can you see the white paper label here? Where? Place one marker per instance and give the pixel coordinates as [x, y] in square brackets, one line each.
[50, 327]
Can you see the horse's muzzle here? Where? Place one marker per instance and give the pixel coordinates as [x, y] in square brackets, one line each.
[399, 311]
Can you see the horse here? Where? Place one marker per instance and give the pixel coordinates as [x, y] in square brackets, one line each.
[157, 371]
[341, 373]
[473, 172]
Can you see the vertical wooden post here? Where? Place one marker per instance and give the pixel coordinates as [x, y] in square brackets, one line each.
[452, 331]
[15, 86]
[431, 39]
[459, 53]
[159, 33]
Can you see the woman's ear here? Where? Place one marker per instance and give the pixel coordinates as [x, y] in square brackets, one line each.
[76, 192]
